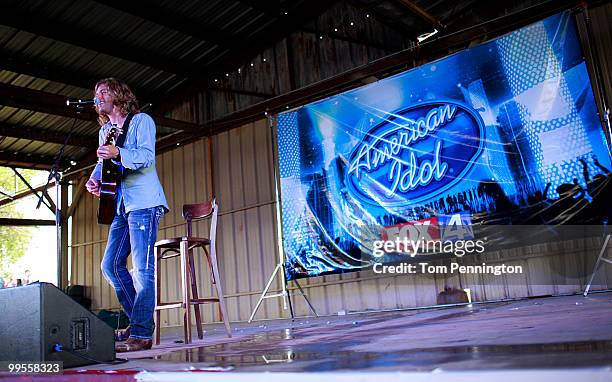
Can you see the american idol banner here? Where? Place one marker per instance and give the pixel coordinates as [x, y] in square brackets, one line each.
[504, 133]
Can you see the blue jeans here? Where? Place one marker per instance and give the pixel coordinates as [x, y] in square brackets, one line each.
[134, 232]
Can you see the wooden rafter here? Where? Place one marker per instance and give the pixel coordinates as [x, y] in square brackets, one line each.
[45, 191]
[416, 10]
[38, 68]
[162, 16]
[25, 222]
[7, 195]
[44, 135]
[30, 161]
[349, 39]
[61, 31]
[457, 11]
[55, 104]
[23, 194]
[272, 10]
[394, 24]
[241, 92]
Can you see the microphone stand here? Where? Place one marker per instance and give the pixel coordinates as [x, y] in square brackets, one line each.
[54, 173]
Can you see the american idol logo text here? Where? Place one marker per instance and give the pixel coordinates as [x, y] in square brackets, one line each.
[415, 154]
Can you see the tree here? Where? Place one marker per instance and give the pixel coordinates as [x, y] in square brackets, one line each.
[14, 241]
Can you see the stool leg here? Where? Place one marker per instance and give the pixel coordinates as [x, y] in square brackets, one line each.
[157, 296]
[210, 266]
[185, 290]
[194, 295]
[217, 281]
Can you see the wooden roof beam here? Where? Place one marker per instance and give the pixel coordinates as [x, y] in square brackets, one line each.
[458, 10]
[416, 10]
[55, 104]
[25, 222]
[38, 68]
[24, 194]
[162, 16]
[272, 10]
[46, 195]
[61, 31]
[29, 161]
[241, 92]
[340, 37]
[45, 135]
[382, 18]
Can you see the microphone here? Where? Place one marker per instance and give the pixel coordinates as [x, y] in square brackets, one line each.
[82, 102]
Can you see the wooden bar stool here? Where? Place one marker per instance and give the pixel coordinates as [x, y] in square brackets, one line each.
[183, 247]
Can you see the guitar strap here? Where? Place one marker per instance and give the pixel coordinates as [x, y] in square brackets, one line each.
[121, 139]
[124, 129]
[104, 216]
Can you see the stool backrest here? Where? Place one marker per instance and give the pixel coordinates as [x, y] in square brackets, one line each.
[201, 210]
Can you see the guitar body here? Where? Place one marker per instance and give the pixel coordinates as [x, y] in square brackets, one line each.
[109, 183]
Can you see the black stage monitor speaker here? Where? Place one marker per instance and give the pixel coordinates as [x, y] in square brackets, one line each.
[35, 317]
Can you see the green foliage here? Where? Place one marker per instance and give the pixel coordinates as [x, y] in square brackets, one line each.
[14, 241]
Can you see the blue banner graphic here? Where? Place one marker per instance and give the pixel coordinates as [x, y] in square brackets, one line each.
[506, 132]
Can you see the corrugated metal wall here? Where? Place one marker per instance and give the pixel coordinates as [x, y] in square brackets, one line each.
[246, 235]
[243, 183]
[248, 253]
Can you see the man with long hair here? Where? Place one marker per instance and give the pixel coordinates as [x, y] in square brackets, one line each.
[140, 205]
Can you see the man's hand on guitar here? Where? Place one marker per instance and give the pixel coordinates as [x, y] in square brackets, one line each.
[108, 152]
[93, 186]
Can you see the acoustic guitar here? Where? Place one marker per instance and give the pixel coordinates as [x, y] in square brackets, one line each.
[109, 182]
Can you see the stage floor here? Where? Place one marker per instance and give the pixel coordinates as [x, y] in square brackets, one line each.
[565, 336]
[553, 332]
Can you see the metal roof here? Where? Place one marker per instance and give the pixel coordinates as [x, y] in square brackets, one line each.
[168, 50]
[52, 50]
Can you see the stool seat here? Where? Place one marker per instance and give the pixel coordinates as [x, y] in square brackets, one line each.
[175, 242]
[184, 247]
